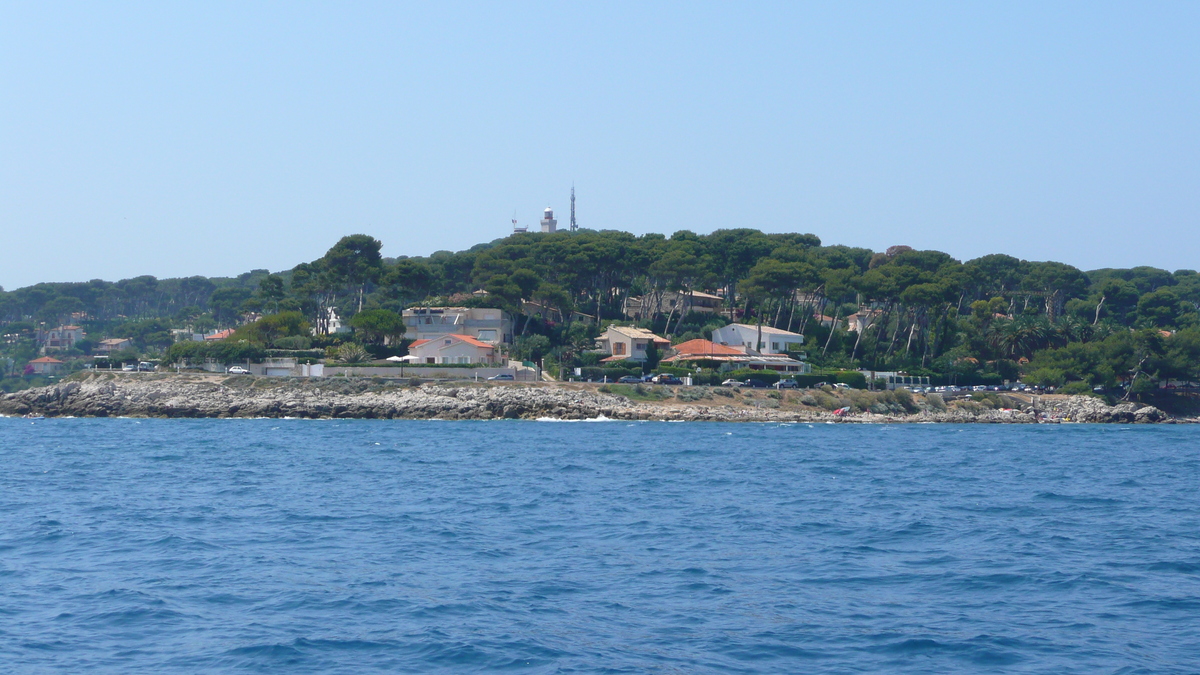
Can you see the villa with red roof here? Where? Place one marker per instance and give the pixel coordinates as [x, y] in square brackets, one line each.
[706, 354]
[452, 348]
[46, 365]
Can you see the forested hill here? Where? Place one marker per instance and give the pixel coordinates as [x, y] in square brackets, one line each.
[922, 311]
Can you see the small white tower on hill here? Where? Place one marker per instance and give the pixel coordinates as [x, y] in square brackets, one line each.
[549, 224]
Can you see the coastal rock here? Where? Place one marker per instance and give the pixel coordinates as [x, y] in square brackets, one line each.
[164, 395]
[1095, 410]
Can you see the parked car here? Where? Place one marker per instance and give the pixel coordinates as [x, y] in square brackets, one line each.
[787, 384]
[840, 385]
[630, 379]
[146, 367]
[502, 376]
[666, 378]
[755, 384]
[128, 367]
[731, 383]
[238, 370]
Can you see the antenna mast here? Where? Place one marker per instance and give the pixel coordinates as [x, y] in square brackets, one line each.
[574, 225]
[515, 228]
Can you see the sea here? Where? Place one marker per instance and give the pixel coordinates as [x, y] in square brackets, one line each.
[363, 546]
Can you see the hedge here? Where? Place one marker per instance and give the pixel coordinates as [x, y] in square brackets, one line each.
[597, 373]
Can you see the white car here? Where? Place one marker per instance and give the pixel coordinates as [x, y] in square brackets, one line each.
[732, 383]
[238, 370]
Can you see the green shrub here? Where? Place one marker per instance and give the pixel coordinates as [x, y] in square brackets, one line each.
[352, 352]
[293, 342]
[828, 402]
[688, 394]
[852, 377]
[904, 399]
[613, 374]
[768, 376]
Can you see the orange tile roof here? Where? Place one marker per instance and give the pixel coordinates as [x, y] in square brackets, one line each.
[701, 347]
[472, 341]
[465, 338]
[45, 359]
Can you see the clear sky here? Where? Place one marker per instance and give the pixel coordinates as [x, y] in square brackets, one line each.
[205, 138]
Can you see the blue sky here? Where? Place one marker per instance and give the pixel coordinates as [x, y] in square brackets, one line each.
[174, 139]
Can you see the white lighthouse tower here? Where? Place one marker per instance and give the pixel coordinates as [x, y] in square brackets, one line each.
[549, 224]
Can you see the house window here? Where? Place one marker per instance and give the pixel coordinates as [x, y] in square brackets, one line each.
[448, 340]
[428, 321]
[464, 359]
[619, 348]
[774, 346]
[430, 359]
[487, 335]
[639, 346]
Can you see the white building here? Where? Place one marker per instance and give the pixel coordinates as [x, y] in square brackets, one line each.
[745, 336]
[493, 326]
[451, 348]
[333, 324]
[549, 224]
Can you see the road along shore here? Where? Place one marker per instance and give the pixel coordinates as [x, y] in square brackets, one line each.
[199, 396]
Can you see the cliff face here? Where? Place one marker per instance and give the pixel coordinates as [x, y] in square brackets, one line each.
[105, 395]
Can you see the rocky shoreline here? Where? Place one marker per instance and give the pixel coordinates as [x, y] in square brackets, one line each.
[184, 396]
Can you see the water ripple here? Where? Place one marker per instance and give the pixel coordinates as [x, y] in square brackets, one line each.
[352, 546]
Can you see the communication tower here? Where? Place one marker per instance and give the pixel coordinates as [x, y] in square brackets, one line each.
[574, 225]
[515, 228]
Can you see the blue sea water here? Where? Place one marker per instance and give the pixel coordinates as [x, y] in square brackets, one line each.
[294, 546]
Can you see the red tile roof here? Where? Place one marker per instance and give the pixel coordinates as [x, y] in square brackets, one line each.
[465, 338]
[45, 359]
[472, 341]
[701, 347]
